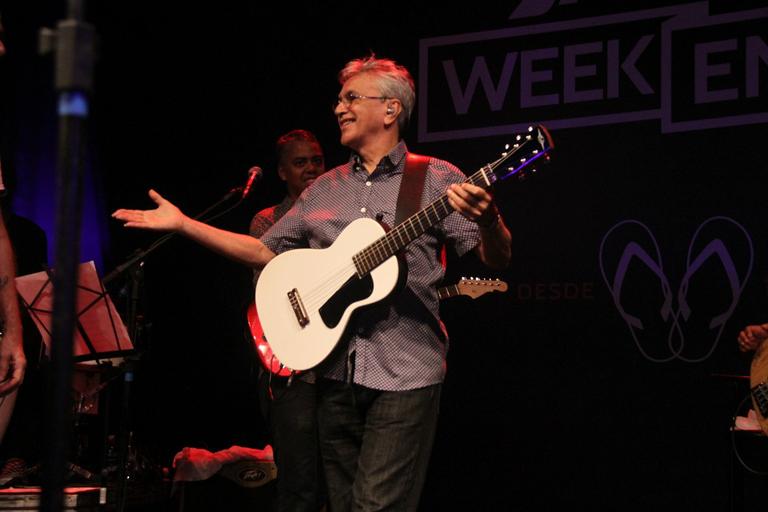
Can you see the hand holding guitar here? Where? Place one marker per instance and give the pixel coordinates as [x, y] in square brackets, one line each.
[752, 336]
[473, 202]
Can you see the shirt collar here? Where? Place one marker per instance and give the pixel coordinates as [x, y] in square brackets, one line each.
[390, 161]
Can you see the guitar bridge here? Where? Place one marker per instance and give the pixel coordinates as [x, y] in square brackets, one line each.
[298, 307]
[760, 394]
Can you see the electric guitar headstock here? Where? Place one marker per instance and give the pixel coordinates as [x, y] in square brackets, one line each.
[472, 287]
[475, 287]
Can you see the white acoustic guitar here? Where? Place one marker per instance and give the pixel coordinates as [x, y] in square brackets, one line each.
[470, 287]
[305, 297]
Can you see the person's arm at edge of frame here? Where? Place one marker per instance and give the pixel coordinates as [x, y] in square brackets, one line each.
[12, 360]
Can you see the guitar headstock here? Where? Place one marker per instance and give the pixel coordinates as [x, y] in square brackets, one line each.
[520, 159]
[476, 287]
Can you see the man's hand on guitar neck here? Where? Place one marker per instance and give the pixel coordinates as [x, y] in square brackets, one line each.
[752, 336]
[471, 201]
[476, 204]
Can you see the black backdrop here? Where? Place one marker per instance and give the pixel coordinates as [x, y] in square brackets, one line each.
[551, 399]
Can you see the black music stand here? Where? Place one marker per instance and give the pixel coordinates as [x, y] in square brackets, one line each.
[100, 332]
[100, 341]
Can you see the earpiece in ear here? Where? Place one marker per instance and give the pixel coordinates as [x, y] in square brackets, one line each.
[390, 110]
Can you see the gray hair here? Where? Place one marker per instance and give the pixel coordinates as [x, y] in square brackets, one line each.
[394, 81]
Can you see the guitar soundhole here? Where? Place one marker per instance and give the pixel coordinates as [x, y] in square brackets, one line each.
[353, 290]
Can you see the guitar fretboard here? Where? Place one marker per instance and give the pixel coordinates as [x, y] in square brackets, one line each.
[448, 291]
[412, 227]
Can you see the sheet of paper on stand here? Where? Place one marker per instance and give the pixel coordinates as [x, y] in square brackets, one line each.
[100, 328]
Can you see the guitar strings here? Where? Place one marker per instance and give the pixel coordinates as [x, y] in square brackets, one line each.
[321, 291]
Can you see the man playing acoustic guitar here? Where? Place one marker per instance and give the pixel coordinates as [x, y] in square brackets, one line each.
[380, 385]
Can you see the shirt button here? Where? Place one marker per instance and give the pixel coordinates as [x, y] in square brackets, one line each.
[367, 183]
[363, 210]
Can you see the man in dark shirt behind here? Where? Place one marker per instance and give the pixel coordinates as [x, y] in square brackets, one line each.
[290, 408]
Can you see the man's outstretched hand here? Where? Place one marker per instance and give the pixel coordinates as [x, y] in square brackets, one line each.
[166, 217]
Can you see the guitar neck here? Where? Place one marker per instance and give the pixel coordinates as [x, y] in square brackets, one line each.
[448, 291]
[529, 148]
[412, 228]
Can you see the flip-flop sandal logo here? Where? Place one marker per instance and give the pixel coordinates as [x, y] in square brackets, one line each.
[686, 325]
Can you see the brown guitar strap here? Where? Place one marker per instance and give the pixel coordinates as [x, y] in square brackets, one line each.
[411, 187]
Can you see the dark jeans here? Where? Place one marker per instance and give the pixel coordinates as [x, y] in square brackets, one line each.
[292, 416]
[375, 445]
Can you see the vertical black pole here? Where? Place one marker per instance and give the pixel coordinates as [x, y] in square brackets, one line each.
[74, 61]
[127, 463]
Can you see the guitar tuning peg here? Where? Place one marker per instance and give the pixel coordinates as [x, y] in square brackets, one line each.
[506, 146]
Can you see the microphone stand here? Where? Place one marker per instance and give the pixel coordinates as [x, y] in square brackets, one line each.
[73, 44]
[134, 266]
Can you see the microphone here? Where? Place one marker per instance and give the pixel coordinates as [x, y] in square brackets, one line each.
[254, 174]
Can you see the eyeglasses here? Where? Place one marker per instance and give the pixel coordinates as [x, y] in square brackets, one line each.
[349, 98]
